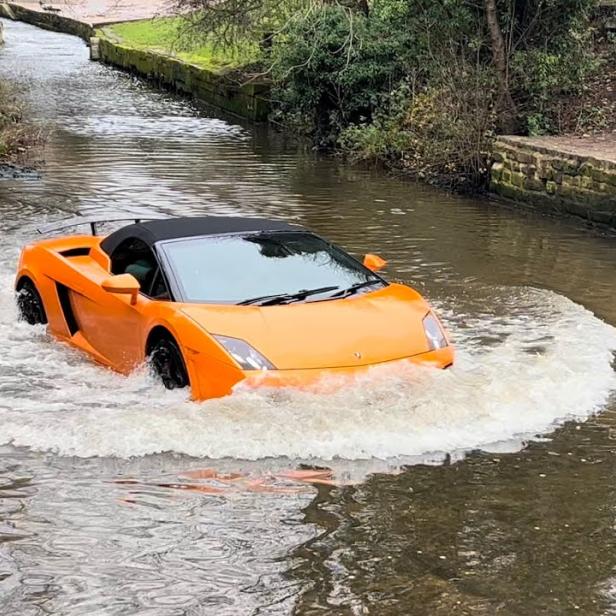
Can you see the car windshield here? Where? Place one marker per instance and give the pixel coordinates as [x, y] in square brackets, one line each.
[257, 267]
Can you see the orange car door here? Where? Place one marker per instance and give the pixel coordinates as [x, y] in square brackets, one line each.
[112, 326]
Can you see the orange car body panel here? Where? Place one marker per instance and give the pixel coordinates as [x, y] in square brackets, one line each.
[305, 341]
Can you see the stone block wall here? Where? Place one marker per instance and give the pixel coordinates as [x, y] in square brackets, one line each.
[558, 181]
[48, 21]
[248, 101]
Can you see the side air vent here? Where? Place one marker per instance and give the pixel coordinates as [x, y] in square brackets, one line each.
[67, 309]
[75, 252]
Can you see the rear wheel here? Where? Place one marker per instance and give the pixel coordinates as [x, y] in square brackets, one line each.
[30, 304]
[168, 364]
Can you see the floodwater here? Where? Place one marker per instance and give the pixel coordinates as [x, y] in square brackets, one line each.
[486, 489]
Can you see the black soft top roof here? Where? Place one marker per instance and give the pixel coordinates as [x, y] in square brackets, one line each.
[174, 228]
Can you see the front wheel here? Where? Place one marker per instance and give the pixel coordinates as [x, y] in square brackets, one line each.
[30, 304]
[168, 364]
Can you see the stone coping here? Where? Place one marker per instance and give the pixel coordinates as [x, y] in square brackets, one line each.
[557, 174]
[601, 148]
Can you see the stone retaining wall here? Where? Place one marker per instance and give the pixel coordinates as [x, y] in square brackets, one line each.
[248, 101]
[558, 181]
[48, 21]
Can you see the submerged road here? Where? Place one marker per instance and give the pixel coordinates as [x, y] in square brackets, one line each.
[459, 492]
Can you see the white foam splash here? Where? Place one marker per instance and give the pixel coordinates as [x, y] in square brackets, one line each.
[551, 362]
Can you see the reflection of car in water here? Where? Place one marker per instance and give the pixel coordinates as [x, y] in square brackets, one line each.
[214, 301]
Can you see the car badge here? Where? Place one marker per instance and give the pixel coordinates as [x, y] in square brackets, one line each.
[357, 355]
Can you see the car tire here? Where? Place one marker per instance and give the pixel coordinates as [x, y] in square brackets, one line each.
[29, 304]
[168, 364]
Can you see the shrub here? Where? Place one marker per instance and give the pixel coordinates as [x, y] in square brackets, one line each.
[421, 84]
[441, 133]
[334, 68]
[545, 79]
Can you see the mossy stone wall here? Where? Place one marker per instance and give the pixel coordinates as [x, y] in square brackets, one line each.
[46, 20]
[248, 100]
[554, 180]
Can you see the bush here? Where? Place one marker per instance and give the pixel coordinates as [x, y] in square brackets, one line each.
[416, 83]
[544, 80]
[334, 68]
[441, 134]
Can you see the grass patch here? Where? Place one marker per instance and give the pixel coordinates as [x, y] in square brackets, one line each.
[168, 36]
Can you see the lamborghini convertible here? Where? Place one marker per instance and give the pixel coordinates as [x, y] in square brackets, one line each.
[215, 301]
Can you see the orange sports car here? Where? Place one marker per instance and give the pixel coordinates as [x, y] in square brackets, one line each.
[212, 301]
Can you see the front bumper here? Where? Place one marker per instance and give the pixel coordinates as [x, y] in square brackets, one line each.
[211, 379]
[330, 379]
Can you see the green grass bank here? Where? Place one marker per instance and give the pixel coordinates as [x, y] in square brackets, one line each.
[166, 36]
[155, 49]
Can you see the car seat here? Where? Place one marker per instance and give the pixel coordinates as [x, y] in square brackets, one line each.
[142, 270]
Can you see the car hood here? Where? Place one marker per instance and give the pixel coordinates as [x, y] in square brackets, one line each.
[369, 328]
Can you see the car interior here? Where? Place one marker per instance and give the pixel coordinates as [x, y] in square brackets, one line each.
[135, 257]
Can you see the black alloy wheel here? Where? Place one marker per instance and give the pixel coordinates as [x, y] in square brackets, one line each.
[30, 304]
[167, 362]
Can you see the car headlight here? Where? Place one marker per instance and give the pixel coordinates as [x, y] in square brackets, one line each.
[245, 355]
[434, 332]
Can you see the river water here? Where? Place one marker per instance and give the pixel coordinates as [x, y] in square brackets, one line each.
[489, 488]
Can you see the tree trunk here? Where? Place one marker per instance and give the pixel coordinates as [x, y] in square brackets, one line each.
[364, 7]
[505, 105]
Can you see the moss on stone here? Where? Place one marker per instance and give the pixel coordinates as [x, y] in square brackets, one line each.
[518, 179]
[534, 184]
[573, 184]
[249, 101]
[551, 187]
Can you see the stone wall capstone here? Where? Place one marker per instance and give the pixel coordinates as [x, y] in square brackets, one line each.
[558, 181]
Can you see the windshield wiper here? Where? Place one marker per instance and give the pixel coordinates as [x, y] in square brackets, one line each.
[284, 298]
[355, 287]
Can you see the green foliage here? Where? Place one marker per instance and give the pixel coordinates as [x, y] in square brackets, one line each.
[334, 67]
[412, 82]
[541, 23]
[441, 133]
[543, 77]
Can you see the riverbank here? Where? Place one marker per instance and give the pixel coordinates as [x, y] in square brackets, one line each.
[47, 20]
[206, 72]
[449, 138]
[113, 33]
[558, 174]
[19, 139]
[80, 17]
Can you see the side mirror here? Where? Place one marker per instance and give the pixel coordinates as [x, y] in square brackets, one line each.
[374, 263]
[123, 284]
